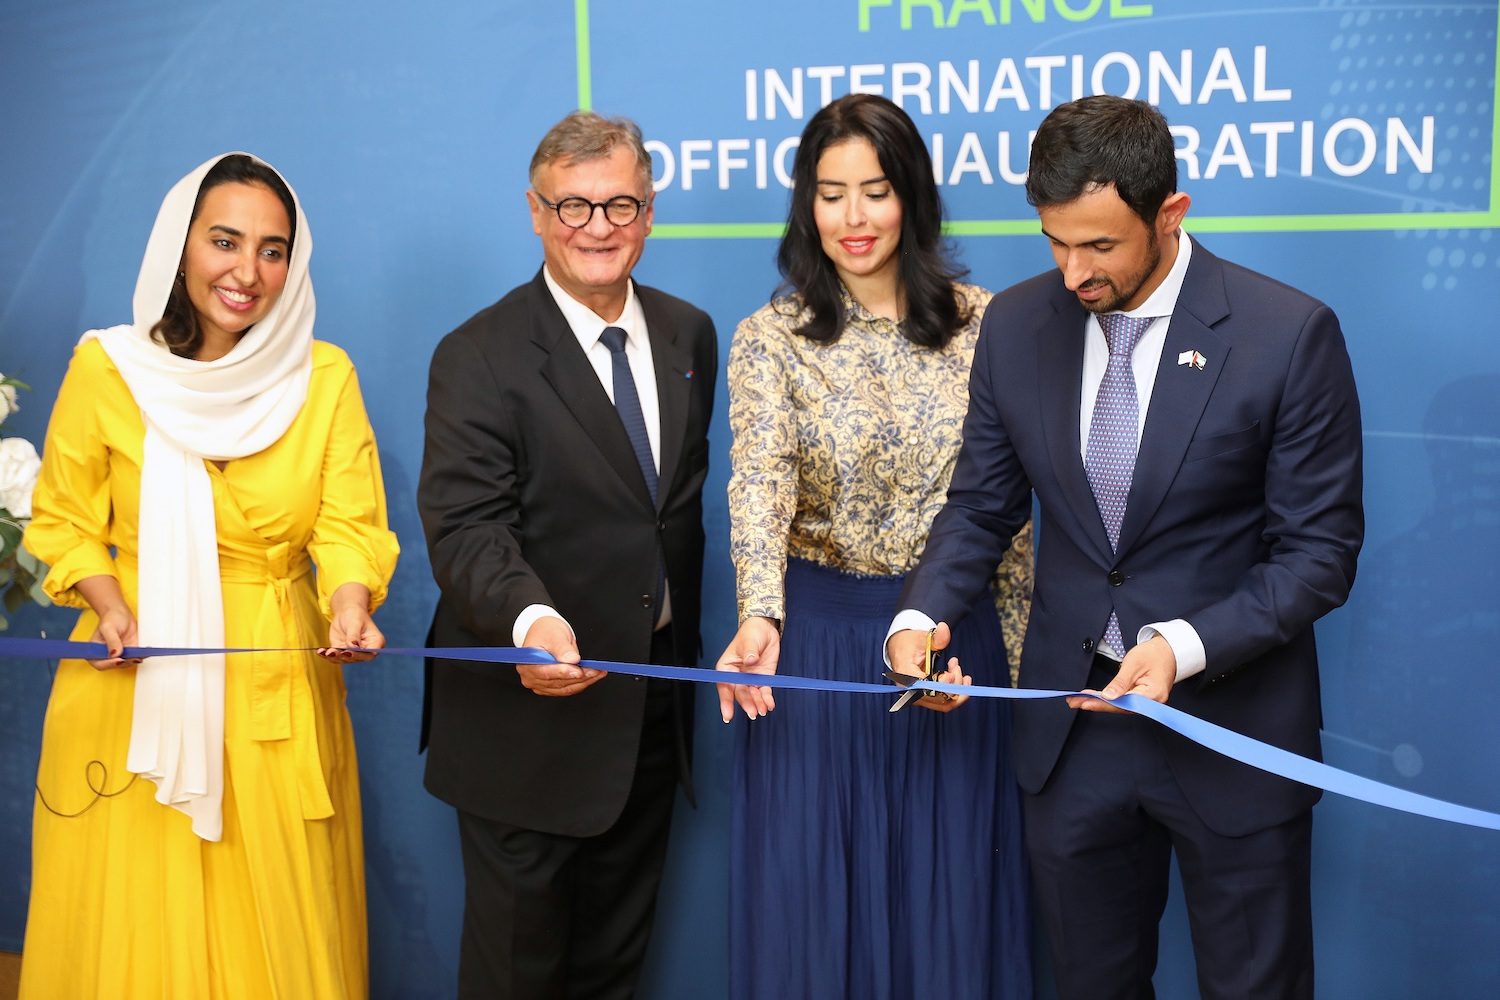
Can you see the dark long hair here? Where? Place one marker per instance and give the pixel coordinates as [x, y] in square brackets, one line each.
[178, 327]
[1102, 141]
[934, 312]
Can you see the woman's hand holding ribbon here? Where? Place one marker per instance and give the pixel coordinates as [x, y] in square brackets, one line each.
[116, 630]
[117, 626]
[351, 625]
[755, 649]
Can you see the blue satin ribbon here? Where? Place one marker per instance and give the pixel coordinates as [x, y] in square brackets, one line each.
[1236, 746]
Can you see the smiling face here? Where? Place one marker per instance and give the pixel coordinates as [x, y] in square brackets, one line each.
[859, 219]
[234, 264]
[1109, 257]
[592, 264]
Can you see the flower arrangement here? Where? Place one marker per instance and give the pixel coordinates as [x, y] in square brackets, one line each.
[20, 573]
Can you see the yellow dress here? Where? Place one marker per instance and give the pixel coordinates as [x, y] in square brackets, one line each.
[125, 900]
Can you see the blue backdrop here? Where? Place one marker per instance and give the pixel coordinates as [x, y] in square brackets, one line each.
[1344, 146]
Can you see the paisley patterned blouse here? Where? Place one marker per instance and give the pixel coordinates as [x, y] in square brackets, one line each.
[842, 452]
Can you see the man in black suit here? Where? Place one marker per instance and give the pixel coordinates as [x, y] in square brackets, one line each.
[566, 449]
[1192, 433]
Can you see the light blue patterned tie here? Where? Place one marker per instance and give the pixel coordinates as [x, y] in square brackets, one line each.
[1109, 458]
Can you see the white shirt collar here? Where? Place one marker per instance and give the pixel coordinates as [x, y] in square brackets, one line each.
[586, 324]
[1163, 301]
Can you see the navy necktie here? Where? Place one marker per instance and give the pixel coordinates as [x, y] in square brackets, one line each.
[1109, 457]
[628, 403]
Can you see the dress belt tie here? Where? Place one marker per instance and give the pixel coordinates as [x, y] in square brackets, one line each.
[281, 699]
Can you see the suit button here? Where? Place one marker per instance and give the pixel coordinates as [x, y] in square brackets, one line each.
[1116, 578]
[1088, 645]
[661, 525]
[645, 600]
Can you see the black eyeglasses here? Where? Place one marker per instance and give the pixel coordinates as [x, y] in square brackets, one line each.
[575, 213]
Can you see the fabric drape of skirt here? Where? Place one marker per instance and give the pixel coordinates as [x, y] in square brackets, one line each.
[875, 855]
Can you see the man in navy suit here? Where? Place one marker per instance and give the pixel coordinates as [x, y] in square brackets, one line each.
[1191, 431]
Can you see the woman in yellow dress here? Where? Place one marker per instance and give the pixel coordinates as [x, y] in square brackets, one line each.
[209, 480]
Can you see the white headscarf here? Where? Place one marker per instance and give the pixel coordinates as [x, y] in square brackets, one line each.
[235, 406]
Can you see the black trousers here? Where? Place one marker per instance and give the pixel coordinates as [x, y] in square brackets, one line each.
[548, 917]
[1100, 836]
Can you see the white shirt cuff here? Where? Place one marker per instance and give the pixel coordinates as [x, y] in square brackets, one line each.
[1187, 647]
[529, 617]
[906, 619]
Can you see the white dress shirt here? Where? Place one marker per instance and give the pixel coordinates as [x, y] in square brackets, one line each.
[1186, 644]
[588, 327]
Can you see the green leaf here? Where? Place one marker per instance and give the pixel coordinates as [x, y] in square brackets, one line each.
[10, 536]
[32, 572]
[31, 564]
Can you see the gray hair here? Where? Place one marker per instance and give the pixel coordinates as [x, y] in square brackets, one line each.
[584, 136]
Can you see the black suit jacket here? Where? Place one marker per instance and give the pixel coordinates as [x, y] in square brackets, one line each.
[530, 493]
[1244, 518]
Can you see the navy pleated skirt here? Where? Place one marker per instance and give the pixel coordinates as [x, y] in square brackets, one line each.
[875, 856]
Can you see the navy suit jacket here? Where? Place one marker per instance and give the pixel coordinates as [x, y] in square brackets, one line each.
[1245, 517]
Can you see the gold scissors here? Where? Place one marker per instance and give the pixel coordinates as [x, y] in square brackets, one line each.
[907, 680]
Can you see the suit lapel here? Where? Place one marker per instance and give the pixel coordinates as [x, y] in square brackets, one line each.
[1181, 391]
[568, 371]
[674, 371]
[1059, 372]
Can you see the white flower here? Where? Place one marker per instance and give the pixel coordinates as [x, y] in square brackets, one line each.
[19, 465]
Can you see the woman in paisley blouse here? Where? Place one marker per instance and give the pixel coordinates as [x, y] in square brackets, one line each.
[874, 855]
